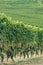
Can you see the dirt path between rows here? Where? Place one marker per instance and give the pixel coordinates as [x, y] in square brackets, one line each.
[29, 61]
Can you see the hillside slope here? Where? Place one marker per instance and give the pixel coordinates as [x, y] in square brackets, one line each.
[27, 11]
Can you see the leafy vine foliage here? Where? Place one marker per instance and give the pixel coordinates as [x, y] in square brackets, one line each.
[21, 37]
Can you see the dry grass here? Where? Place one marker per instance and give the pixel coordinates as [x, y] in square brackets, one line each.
[31, 61]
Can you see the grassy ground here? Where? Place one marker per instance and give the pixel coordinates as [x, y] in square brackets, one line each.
[31, 61]
[27, 11]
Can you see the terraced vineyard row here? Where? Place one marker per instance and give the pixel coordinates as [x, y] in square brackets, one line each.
[27, 11]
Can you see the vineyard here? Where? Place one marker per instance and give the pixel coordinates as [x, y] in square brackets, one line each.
[19, 39]
[27, 11]
[21, 32]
